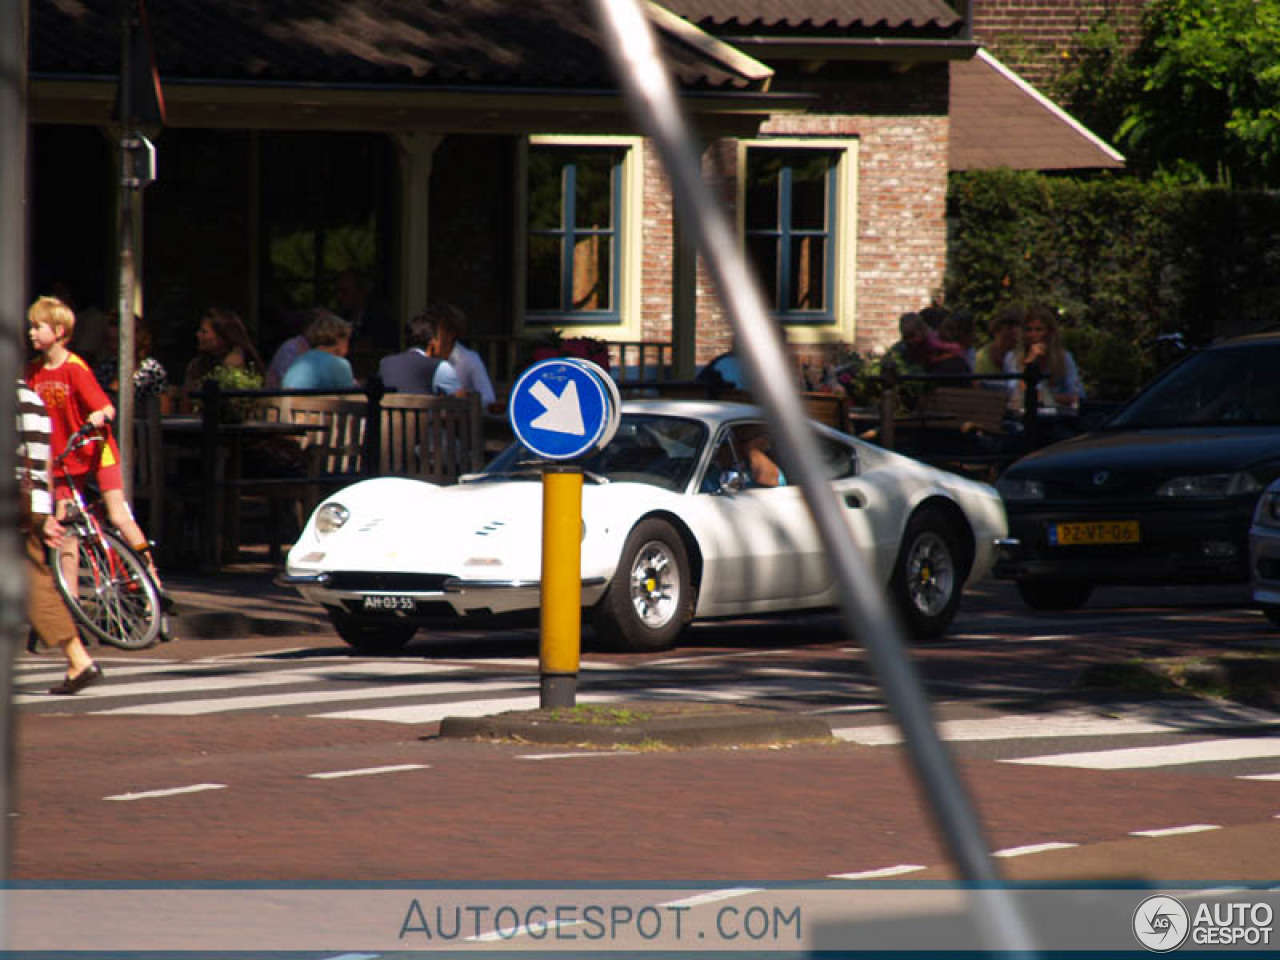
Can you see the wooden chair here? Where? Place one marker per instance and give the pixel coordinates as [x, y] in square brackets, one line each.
[831, 409]
[431, 438]
[332, 457]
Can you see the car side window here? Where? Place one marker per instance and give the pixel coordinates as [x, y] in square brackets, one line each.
[838, 458]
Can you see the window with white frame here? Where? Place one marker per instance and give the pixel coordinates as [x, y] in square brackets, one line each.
[791, 220]
[573, 235]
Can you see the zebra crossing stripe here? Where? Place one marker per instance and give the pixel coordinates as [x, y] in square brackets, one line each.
[1010, 728]
[1132, 758]
[194, 708]
[435, 712]
[116, 691]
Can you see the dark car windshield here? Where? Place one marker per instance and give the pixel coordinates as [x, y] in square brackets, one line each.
[1236, 385]
[662, 451]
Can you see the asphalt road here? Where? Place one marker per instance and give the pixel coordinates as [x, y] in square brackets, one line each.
[291, 759]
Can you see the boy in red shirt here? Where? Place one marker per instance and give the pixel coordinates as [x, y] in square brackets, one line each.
[72, 395]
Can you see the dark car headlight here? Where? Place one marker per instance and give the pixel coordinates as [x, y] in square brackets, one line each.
[1020, 488]
[1209, 486]
[1268, 512]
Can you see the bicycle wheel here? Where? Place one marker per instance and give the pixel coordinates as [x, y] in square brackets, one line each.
[113, 595]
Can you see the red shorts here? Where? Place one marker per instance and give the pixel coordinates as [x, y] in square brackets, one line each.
[109, 478]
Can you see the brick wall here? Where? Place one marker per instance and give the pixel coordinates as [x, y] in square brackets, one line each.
[1034, 36]
[900, 253]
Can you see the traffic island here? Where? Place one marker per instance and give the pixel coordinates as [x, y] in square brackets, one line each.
[642, 724]
[1250, 680]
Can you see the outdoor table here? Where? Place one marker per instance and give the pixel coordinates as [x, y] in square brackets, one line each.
[223, 476]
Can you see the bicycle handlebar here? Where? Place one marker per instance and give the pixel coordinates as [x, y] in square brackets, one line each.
[87, 433]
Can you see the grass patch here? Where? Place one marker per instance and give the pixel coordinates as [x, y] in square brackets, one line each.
[596, 714]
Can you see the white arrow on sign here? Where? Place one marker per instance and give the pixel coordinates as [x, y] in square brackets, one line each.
[564, 413]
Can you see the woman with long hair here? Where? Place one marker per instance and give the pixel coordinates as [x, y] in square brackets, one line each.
[1040, 345]
[222, 340]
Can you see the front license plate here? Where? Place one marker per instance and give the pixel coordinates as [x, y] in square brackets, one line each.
[389, 604]
[1100, 531]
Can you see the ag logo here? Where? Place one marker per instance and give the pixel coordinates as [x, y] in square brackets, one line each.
[1161, 923]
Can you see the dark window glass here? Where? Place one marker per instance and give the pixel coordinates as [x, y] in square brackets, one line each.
[573, 240]
[789, 216]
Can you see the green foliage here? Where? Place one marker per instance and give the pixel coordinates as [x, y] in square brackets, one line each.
[1121, 260]
[1198, 100]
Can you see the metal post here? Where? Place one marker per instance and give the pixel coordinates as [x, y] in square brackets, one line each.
[124, 233]
[13, 285]
[560, 637]
[631, 42]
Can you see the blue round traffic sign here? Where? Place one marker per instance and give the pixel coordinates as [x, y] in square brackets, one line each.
[563, 408]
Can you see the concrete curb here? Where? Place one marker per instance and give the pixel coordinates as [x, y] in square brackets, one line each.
[685, 725]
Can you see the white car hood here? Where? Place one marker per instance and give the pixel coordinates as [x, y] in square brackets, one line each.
[478, 531]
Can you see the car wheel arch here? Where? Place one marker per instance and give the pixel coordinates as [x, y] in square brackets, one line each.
[955, 515]
[691, 546]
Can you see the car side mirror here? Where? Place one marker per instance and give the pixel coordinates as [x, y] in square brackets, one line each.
[731, 481]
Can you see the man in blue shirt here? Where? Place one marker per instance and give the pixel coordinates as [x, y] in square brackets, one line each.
[325, 365]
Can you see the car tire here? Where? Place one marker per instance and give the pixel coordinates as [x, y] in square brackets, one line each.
[371, 639]
[929, 575]
[651, 597]
[1272, 613]
[1054, 594]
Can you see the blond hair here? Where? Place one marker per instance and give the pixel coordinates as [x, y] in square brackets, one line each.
[57, 315]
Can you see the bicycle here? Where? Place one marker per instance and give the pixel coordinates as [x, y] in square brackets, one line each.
[113, 594]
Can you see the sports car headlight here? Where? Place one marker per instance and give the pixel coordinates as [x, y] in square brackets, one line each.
[1268, 512]
[331, 517]
[1020, 488]
[1209, 485]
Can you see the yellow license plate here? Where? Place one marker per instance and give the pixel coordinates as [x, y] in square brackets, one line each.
[1101, 531]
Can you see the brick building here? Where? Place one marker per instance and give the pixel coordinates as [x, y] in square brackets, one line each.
[480, 153]
[1034, 37]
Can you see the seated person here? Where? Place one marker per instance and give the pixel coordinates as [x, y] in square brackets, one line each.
[324, 366]
[417, 370]
[1005, 328]
[451, 327]
[747, 449]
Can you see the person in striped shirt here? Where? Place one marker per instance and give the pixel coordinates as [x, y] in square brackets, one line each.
[46, 610]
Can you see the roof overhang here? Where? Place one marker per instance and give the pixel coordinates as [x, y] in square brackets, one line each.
[853, 48]
[464, 109]
[1000, 120]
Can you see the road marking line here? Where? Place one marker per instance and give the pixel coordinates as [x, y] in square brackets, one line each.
[715, 896]
[1206, 751]
[566, 756]
[192, 708]
[1029, 726]
[174, 791]
[1259, 776]
[343, 671]
[368, 771]
[1033, 848]
[875, 874]
[114, 691]
[1175, 831]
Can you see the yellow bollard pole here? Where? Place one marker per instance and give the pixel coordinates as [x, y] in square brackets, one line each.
[560, 637]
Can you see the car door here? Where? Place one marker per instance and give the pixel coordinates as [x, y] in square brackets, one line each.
[761, 551]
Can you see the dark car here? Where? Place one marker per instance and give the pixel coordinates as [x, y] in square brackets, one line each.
[1162, 493]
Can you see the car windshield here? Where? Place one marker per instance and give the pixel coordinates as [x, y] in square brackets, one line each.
[662, 451]
[1234, 385]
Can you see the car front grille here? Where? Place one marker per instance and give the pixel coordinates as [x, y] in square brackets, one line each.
[365, 581]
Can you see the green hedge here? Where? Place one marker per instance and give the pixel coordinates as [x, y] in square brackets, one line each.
[1122, 260]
